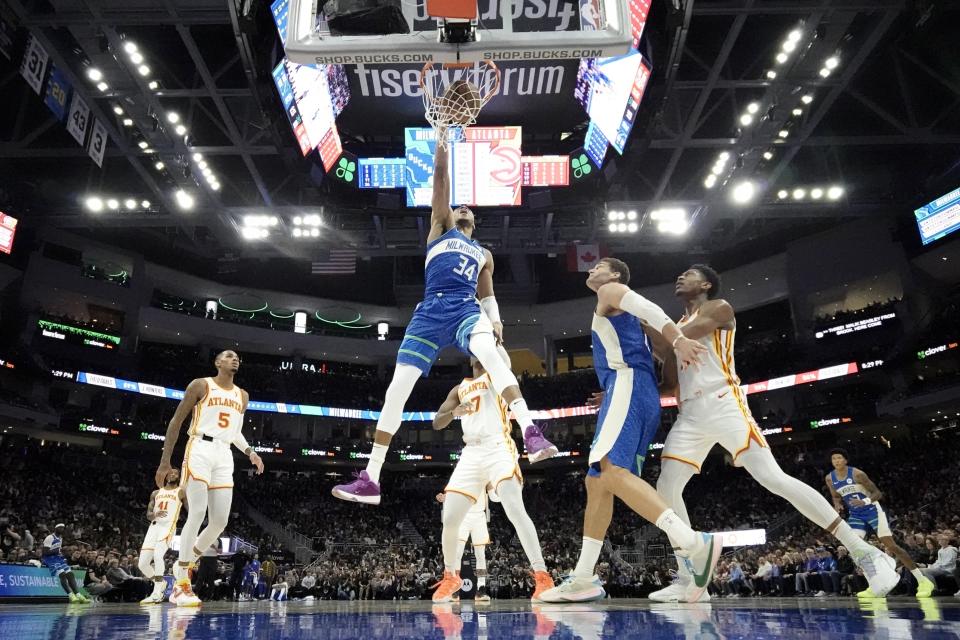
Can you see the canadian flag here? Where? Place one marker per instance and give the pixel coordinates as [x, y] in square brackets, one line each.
[583, 257]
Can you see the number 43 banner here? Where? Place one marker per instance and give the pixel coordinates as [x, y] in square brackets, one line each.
[78, 121]
[98, 143]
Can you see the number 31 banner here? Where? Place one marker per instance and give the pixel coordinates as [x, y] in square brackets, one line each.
[34, 65]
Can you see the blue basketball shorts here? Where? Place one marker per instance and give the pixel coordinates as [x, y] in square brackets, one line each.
[627, 422]
[438, 322]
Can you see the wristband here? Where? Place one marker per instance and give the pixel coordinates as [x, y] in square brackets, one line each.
[490, 307]
[248, 451]
[676, 340]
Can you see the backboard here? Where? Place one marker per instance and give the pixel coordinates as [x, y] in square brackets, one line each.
[506, 31]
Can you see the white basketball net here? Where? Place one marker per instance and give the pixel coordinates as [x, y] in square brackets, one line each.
[452, 111]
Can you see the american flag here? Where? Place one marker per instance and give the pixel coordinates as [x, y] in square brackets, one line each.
[338, 261]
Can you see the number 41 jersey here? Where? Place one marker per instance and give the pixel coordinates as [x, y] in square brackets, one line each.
[453, 263]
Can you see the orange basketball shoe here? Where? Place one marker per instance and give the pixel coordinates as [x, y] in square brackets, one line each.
[447, 587]
[543, 582]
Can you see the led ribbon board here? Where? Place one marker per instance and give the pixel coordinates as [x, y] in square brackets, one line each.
[109, 382]
[77, 335]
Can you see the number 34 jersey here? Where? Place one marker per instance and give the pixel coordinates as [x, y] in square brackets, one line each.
[453, 264]
[219, 414]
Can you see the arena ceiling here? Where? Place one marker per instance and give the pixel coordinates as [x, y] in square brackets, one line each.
[884, 124]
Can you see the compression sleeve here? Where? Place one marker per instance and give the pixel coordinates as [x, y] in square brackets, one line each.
[649, 313]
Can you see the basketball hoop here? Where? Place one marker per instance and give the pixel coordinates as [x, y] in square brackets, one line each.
[454, 94]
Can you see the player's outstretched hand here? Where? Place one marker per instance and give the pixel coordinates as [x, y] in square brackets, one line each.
[498, 332]
[160, 477]
[257, 462]
[441, 497]
[689, 352]
[463, 409]
[595, 399]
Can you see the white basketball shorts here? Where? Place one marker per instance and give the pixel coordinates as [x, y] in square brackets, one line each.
[481, 465]
[721, 417]
[209, 462]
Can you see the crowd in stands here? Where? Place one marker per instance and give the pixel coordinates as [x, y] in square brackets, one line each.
[393, 551]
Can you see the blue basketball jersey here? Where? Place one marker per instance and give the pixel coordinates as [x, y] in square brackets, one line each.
[619, 342]
[849, 489]
[453, 264]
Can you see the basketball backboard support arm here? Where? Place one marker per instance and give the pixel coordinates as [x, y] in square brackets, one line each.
[306, 45]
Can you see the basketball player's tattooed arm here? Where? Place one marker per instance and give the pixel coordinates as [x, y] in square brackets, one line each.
[153, 496]
[441, 215]
[872, 491]
[837, 500]
[191, 397]
[450, 409]
[713, 315]
[487, 300]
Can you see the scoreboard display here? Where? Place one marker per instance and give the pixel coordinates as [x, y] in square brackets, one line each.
[616, 90]
[545, 171]
[382, 173]
[485, 165]
[8, 230]
[939, 218]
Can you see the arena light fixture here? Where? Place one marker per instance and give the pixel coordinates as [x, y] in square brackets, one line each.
[752, 108]
[746, 120]
[797, 112]
[184, 200]
[612, 227]
[724, 156]
[215, 186]
[771, 75]
[197, 157]
[632, 227]
[173, 117]
[117, 109]
[143, 70]
[202, 164]
[95, 74]
[154, 85]
[181, 130]
[835, 192]
[781, 57]
[94, 204]
[102, 86]
[816, 193]
[631, 215]
[799, 193]
[788, 46]
[297, 232]
[136, 57]
[158, 165]
[130, 204]
[824, 72]
[783, 133]
[794, 35]
[127, 122]
[807, 98]
[744, 191]
[314, 233]
[710, 181]
[130, 46]
[768, 155]
[673, 227]
[143, 144]
[668, 214]
[782, 194]
[113, 204]
[622, 227]
[831, 63]
[145, 204]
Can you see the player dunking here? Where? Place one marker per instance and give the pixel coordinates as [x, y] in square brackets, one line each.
[851, 488]
[713, 410]
[626, 423]
[489, 458]
[217, 406]
[457, 271]
[163, 511]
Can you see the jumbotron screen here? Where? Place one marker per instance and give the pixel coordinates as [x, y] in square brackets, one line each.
[616, 87]
[486, 167]
[939, 218]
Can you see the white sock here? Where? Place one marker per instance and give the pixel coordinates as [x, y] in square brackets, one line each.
[589, 555]
[849, 539]
[378, 455]
[522, 414]
[680, 534]
[916, 574]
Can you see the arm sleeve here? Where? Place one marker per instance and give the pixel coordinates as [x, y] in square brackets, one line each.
[490, 307]
[649, 313]
[240, 442]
